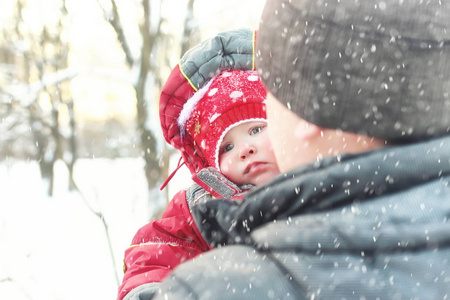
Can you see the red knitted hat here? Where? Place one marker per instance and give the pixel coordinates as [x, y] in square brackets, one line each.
[226, 101]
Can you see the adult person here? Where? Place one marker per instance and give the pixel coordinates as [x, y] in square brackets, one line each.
[359, 116]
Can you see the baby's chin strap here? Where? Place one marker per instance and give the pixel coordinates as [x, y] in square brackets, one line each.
[180, 164]
[212, 181]
[216, 183]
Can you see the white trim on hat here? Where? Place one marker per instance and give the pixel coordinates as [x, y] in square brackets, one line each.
[190, 105]
[222, 136]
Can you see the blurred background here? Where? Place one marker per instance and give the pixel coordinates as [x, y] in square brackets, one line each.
[82, 155]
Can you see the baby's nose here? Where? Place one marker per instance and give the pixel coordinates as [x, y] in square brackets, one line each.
[246, 151]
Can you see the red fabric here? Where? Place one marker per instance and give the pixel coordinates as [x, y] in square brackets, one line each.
[173, 96]
[161, 245]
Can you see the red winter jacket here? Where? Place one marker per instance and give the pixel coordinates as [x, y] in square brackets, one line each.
[162, 244]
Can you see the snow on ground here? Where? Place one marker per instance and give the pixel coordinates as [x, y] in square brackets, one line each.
[55, 247]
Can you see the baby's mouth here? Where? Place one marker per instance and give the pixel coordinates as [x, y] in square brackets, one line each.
[251, 166]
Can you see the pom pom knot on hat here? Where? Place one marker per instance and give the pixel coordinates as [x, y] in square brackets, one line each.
[379, 68]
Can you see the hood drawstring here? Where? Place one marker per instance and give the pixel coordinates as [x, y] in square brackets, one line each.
[180, 164]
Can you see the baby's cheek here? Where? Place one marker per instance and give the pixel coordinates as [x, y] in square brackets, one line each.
[225, 166]
[268, 144]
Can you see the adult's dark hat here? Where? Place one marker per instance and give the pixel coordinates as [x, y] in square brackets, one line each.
[380, 68]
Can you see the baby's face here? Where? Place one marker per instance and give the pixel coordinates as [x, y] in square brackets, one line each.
[246, 155]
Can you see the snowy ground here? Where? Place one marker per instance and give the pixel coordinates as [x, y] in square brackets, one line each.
[56, 248]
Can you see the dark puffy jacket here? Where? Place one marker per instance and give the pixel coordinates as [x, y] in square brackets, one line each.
[368, 226]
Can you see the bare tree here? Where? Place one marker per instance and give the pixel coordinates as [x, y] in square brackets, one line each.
[155, 48]
[191, 35]
[36, 90]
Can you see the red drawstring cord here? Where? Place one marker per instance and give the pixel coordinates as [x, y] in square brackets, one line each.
[172, 174]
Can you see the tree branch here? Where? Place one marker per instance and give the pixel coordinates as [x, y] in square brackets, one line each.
[189, 29]
[116, 23]
[102, 219]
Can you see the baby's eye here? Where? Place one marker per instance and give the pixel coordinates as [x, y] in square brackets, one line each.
[255, 130]
[228, 147]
